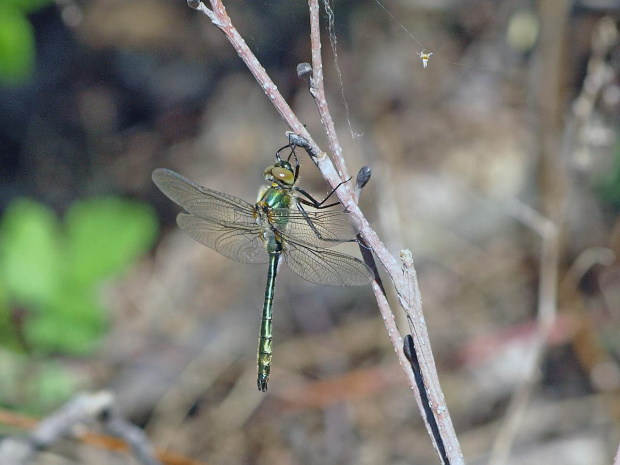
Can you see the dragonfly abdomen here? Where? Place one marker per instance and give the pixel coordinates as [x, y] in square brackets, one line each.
[264, 341]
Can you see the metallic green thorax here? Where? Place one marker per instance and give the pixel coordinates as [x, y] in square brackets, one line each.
[270, 198]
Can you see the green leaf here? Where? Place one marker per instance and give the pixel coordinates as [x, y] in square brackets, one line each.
[54, 385]
[11, 369]
[56, 280]
[8, 334]
[17, 47]
[30, 253]
[106, 235]
[72, 323]
[32, 386]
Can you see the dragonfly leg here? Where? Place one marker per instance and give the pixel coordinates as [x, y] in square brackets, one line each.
[292, 147]
[313, 227]
[312, 202]
[278, 157]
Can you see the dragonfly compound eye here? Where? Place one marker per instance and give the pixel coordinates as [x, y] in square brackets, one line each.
[282, 174]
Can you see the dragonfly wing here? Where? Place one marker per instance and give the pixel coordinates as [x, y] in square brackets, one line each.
[203, 202]
[320, 229]
[240, 244]
[326, 267]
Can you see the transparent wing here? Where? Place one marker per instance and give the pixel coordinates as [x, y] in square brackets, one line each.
[241, 244]
[326, 267]
[203, 202]
[324, 228]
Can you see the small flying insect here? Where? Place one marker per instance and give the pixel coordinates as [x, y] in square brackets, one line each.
[424, 56]
[277, 226]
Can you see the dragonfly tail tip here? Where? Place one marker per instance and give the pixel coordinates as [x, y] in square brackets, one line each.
[261, 382]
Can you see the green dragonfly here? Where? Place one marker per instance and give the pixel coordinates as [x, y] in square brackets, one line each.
[276, 226]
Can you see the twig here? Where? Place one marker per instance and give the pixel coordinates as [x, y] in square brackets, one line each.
[412, 306]
[553, 182]
[410, 352]
[601, 73]
[406, 285]
[317, 90]
[85, 409]
[552, 51]
[218, 16]
[117, 426]
[585, 261]
[23, 422]
[546, 315]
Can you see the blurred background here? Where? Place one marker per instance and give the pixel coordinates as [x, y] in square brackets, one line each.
[519, 108]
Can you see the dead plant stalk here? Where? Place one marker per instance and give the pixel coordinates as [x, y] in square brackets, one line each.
[403, 278]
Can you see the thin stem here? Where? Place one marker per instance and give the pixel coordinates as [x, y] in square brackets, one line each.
[218, 16]
[84, 409]
[546, 316]
[317, 90]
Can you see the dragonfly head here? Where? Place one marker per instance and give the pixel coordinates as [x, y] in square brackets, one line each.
[280, 173]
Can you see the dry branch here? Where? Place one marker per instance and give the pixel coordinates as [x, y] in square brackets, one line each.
[403, 278]
[85, 409]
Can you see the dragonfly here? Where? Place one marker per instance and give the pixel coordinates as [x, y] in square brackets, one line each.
[276, 227]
